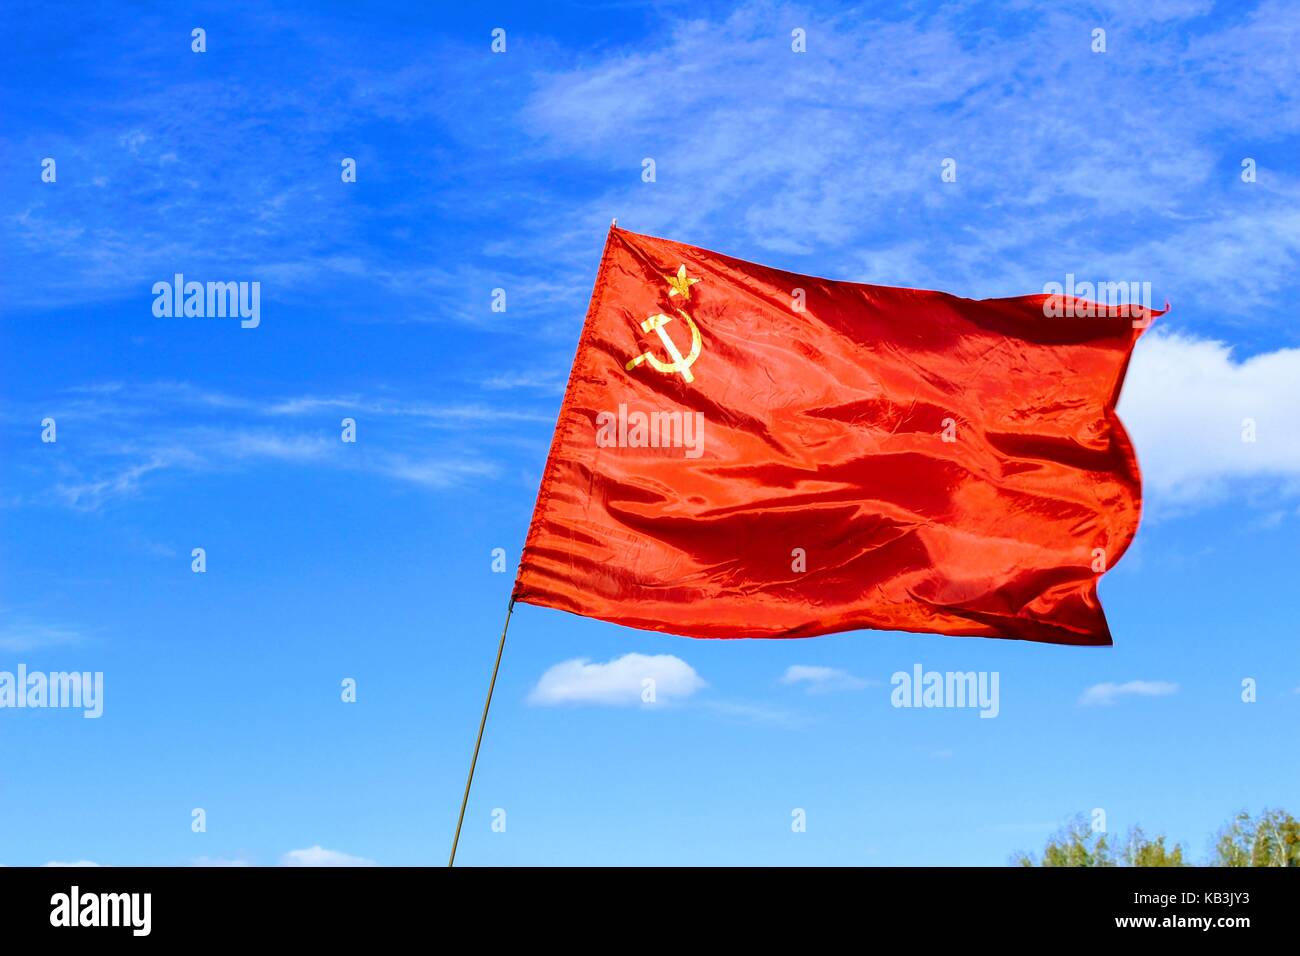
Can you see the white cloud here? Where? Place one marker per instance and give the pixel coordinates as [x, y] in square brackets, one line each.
[319, 856]
[1185, 403]
[75, 863]
[1108, 693]
[218, 862]
[821, 680]
[619, 682]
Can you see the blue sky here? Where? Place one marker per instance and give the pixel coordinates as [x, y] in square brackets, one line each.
[373, 560]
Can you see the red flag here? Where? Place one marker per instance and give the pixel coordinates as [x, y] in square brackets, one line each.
[746, 452]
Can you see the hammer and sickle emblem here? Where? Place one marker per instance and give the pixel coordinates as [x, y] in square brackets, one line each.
[680, 363]
[678, 285]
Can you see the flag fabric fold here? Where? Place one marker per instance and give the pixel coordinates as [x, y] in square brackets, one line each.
[746, 452]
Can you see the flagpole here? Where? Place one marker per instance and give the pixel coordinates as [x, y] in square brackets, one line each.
[510, 609]
[482, 723]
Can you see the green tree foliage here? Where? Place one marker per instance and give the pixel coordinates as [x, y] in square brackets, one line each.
[1139, 851]
[1270, 839]
[1076, 844]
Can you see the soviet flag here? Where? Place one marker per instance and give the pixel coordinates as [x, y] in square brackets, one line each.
[746, 452]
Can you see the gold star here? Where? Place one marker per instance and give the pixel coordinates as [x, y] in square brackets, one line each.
[680, 284]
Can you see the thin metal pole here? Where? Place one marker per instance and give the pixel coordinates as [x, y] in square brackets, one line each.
[482, 723]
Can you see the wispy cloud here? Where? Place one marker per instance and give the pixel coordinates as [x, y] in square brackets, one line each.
[793, 174]
[822, 680]
[551, 381]
[132, 434]
[19, 637]
[749, 712]
[1109, 693]
[434, 473]
[118, 481]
